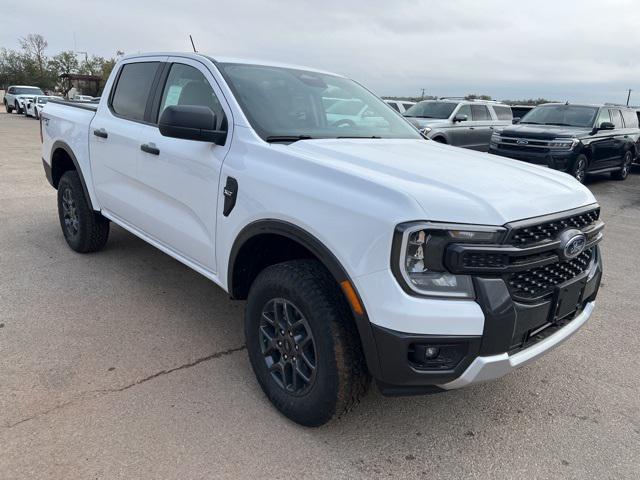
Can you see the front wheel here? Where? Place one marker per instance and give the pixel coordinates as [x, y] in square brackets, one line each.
[84, 230]
[303, 344]
[37, 115]
[16, 107]
[623, 173]
[8, 107]
[579, 170]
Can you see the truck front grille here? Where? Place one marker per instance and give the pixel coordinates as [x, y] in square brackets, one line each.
[528, 235]
[539, 282]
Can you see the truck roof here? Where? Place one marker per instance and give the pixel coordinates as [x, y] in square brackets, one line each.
[217, 59]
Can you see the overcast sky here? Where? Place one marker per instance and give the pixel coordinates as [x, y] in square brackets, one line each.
[577, 50]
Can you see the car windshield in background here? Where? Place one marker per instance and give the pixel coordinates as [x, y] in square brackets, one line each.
[431, 109]
[28, 91]
[562, 115]
[285, 104]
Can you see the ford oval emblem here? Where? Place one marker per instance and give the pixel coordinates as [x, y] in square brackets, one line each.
[522, 142]
[572, 243]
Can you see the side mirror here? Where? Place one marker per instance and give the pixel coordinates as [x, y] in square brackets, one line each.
[191, 122]
[606, 126]
[460, 118]
[515, 120]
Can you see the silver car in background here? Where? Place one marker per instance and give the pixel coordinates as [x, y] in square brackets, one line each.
[459, 122]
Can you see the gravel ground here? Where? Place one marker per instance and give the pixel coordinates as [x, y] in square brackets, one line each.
[126, 364]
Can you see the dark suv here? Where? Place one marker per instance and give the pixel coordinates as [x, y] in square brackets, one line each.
[577, 139]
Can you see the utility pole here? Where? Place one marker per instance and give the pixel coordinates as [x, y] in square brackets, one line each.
[628, 97]
[422, 96]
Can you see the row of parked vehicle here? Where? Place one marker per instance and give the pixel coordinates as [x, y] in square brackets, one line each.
[575, 138]
[30, 100]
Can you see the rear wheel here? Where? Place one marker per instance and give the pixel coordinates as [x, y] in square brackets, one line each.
[303, 344]
[84, 230]
[623, 173]
[579, 170]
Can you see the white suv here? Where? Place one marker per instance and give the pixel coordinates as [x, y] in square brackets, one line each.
[462, 123]
[361, 249]
[17, 95]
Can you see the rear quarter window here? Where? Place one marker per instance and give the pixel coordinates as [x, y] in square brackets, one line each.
[132, 90]
[630, 118]
[503, 113]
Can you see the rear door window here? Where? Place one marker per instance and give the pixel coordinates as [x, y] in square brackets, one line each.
[131, 93]
[480, 113]
[616, 118]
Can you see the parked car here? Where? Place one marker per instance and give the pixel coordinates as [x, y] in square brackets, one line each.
[361, 250]
[353, 112]
[520, 111]
[16, 96]
[400, 105]
[33, 107]
[83, 98]
[463, 123]
[577, 139]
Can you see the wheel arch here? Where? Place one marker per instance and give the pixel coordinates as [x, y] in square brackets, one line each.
[62, 160]
[244, 267]
[440, 138]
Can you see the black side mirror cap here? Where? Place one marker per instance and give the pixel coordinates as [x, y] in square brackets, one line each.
[460, 118]
[606, 126]
[191, 122]
[515, 120]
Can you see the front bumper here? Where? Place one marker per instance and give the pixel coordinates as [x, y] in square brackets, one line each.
[558, 160]
[513, 334]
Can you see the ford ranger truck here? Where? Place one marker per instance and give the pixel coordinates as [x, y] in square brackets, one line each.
[362, 250]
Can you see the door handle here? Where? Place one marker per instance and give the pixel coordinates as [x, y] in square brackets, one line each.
[150, 148]
[101, 132]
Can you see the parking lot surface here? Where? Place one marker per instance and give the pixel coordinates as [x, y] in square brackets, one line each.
[126, 364]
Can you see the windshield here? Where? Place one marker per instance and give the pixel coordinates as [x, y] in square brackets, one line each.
[284, 102]
[28, 91]
[563, 115]
[430, 109]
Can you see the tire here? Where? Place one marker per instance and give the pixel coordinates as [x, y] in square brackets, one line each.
[623, 173]
[16, 107]
[579, 169]
[7, 107]
[440, 140]
[314, 302]
[36, 114]
[84, 230]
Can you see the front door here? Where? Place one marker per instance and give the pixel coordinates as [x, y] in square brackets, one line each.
[179, 179]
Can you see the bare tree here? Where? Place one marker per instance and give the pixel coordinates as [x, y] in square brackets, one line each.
[34, 46]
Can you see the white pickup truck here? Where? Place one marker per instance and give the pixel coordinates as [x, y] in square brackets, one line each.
[363, 250]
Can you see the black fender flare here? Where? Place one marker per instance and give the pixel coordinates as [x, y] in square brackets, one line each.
[326, 257]
[60, 145]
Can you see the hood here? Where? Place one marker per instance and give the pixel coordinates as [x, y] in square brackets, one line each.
[544, 132]
[427, 122]
[449, 183]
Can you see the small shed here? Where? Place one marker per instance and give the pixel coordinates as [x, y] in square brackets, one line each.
[84, 84]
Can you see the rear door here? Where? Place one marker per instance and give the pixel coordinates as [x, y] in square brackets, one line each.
[178, 179]
[480, 128]
[114, 137]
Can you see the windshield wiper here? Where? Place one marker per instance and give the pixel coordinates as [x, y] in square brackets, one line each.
[559, 124]
[287, 138]
[372, 136]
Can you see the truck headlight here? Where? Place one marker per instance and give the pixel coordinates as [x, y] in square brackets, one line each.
[563, 143]
[418, 256]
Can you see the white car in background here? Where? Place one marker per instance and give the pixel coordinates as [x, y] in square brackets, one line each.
[33, 107]
[400, 105]
[347, 113]
[17, 95]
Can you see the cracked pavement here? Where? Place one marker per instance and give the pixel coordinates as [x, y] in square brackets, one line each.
[126, 364]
